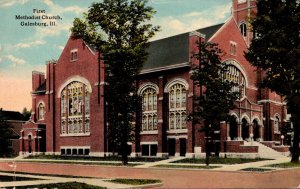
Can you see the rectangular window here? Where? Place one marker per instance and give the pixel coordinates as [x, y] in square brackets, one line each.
[74, 55]
[86, 151]
[68, 151]
[153, 150]
[145, 150]
[63, 151]
[80, 151]
[232, 48]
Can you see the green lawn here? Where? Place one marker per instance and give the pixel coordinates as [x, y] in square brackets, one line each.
[217, 160]
[85, 163]
[134, 181]
[284, 165]
[68, 185]
[91, 158]
[256, 169]
[188, 166]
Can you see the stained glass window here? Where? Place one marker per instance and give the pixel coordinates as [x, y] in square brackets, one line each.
[177, 106]
[75, 108]
[149, 121]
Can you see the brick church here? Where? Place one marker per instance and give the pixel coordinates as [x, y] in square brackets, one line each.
[68, 102]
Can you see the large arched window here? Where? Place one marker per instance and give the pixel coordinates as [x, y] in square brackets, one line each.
[149, 122]
[235, 75]
[177, 106]
[41, 111]
[75, 108]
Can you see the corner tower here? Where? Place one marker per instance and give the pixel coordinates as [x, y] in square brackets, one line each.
[243, 11]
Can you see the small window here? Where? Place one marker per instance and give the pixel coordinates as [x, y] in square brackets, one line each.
[86, 151]
[243, 29]
[63, 151]
[74, 151]
[41, 110]
[74, 55]
[276, 124]
[80, 151]
[68, 151]
[232, 48]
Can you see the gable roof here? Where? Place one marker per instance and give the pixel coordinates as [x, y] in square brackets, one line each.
[11, 115]
[173, 51]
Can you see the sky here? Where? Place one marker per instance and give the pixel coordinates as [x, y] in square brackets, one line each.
[24, 48]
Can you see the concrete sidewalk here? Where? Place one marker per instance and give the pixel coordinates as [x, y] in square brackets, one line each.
[165, 161]
[53, 180]
[236, 167]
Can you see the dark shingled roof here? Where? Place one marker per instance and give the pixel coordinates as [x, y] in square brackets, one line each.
[11, 115]
[41, 88]
[173, 50]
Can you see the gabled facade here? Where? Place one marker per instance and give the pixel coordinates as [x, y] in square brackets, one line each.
[69, 101]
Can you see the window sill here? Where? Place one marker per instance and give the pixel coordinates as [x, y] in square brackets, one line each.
[149, 132]
[177, 131]
[277, 132]
[75, 135]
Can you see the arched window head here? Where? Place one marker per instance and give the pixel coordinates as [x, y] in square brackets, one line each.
[243, 29]
[177, 106]
[75, 108]
[236, 76]
[149, 121]
[41, 111]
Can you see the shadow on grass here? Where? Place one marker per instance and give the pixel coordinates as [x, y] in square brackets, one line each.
[68, 185]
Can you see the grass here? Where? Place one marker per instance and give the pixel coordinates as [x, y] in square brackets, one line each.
[217, 160]
[256, 169]
[284, 165]
[91, 158]
[188, 166]
[85, 163]
[4, 178]
[68, 185]
[134, 181]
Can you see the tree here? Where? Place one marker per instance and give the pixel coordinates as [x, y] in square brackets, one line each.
[276, 50]
[217, 95]
[26, 113]
[120, 30]
[5, 136]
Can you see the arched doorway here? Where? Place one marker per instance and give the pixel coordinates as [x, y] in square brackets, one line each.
[255, 130]
[245, 129]
[29, 144]
[233, 128]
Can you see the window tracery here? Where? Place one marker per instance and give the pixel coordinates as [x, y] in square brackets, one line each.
[177, 107]
[235, 75]
[75, 111]
[149, 121]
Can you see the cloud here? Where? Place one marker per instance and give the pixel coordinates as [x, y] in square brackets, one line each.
[75, 9]
[9, 3]
[173, 25]
[61, 47]
[30, 44]
[15, 61]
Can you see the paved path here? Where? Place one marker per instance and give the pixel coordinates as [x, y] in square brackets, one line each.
[165, 161]
[172, 178]
[53, 179]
